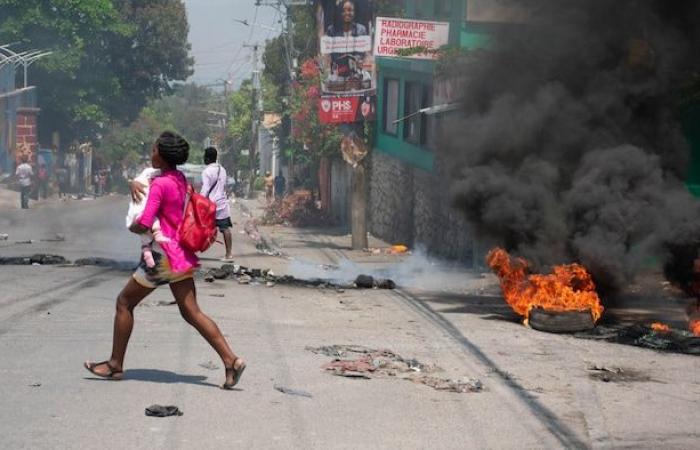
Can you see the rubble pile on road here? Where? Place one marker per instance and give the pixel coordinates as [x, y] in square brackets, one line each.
[245, 275]
[298, 210]
[647, 336]
[126, 266]
[616, 374]
[38, 259]
[356, 361]
[57, 260]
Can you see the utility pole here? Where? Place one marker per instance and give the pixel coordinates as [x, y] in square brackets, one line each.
[255, 119]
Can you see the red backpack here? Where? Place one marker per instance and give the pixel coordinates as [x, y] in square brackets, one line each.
[197, 231]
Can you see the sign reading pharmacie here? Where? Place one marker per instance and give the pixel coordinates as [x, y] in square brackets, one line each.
[393, 35]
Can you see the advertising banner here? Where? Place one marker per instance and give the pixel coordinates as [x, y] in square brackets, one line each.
[336, 110]
[345, 32]
[395, 34]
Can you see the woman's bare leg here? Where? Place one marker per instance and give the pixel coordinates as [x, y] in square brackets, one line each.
[186, 297]
[128, 299]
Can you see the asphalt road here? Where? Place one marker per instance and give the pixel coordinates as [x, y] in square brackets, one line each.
[538, 392]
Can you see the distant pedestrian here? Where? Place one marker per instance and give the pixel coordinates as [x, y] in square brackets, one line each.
[214, 187]
[62, 179]
[42, 176]
[174, 265]
[280, 185]
[269, 186]
[101, 182]
[24, 175]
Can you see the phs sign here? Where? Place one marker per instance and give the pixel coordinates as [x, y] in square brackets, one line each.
[396, 34]
[338, 109]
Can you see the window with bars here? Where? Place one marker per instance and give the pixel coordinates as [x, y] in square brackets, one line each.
[391, 105]
[417, 126]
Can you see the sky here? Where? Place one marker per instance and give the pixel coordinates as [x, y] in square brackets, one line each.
[217, 39]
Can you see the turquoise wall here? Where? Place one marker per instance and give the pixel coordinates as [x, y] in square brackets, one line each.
[691, 126]
[404, 70]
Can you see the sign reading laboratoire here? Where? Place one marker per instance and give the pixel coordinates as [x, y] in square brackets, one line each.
[393, 35]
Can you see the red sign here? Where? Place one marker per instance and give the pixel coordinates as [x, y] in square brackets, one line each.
[338, 109]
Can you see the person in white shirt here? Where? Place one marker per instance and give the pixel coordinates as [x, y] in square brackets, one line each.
[214, 187]
[24, 175]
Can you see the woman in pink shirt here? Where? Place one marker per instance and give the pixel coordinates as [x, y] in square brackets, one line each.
[174, 266]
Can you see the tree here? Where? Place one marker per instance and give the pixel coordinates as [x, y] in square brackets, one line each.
[241, 123]
[110, 57]
[311, 139]
[153, 55]
[184, 112]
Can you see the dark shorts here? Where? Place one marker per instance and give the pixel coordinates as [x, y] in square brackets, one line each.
[224, 224]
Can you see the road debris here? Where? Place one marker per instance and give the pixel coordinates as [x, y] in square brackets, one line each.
[56, 238]
[163, 411]
[356, 361]
[4, 237]
[125, 266]
[463, 386]
[398, 249]
[210, 365]
[298, 210]
[253, 276]
[675, 341]
[38, 259]
[369, 282]
[616, 374]
[294, 392]
[34, 385]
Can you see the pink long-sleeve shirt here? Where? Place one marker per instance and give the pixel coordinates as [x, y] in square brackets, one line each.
[166, 201]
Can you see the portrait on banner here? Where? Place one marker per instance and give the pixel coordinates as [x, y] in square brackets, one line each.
[345, 34]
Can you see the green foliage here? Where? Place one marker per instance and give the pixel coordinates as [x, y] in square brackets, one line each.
[110, 57]
[183, 112]
[390, 8]
[259, 184]
[241, 107]
[309, 135]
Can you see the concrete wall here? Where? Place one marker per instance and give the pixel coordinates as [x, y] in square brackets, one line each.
[411, 206]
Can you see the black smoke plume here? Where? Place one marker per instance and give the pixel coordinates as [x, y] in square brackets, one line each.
[569, 145]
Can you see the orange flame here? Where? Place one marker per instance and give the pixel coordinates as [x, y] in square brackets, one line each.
[694, 319]
[569, 288]
[660, 327]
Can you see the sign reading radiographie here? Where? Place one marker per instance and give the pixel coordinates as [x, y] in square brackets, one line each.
[393, 35]
[345, 32]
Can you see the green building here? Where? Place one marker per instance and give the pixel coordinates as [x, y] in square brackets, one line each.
[408, 191]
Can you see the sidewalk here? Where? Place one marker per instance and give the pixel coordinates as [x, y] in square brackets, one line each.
[307, 249]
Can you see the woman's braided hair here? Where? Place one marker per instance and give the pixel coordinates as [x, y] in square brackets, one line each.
[173, 148]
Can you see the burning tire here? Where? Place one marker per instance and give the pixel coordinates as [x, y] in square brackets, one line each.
[561, 321]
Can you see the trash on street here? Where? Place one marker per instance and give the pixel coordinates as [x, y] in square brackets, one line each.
[163, 411]
[294, 392]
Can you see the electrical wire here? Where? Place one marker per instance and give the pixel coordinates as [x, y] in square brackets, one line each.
[227, 74]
